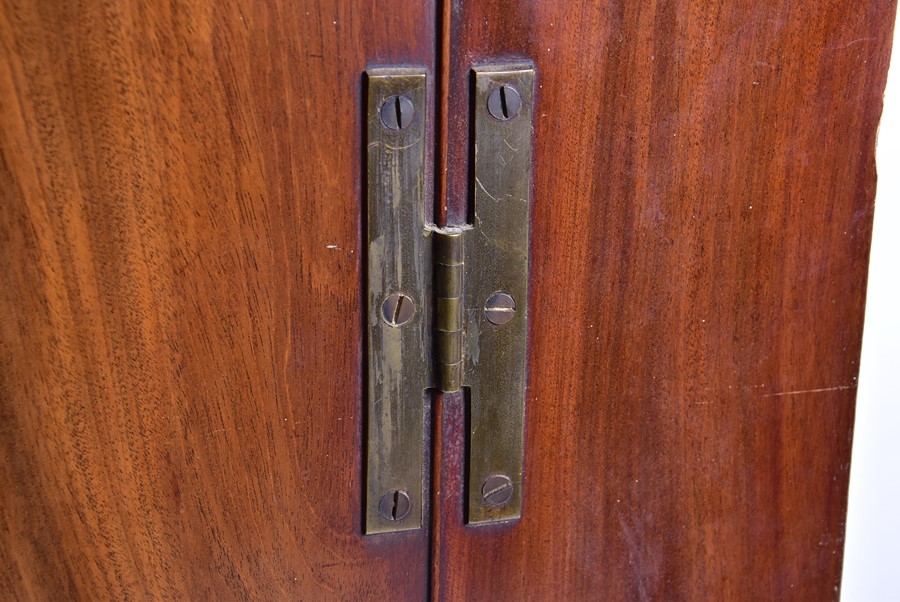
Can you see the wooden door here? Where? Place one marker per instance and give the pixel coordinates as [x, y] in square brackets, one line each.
[703, 191]
[181, 311]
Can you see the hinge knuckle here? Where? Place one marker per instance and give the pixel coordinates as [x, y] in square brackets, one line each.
[449, 271]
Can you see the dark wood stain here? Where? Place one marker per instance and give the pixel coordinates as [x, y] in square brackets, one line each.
[703, 198]
[180, 331]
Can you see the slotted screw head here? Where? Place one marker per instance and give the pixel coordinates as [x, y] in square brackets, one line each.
[397, 112]
[394, 505]
[504, 102]
[397, 309]
[500, 308]
[497, 490]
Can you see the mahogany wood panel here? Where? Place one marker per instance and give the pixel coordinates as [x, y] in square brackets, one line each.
[180, 312]
[703, 197]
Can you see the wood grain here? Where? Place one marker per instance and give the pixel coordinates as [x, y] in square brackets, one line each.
[703, 197]
[180, 314]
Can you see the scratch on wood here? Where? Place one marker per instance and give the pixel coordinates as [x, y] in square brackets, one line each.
[803, 391]
[842, 46]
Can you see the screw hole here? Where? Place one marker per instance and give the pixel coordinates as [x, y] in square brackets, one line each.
[399, 112]
[399, 309]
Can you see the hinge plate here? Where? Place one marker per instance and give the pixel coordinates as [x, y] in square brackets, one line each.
[497, 265]
[399, 299]
[447, 307]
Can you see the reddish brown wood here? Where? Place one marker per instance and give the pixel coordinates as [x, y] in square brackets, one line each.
[180, 343]
[442, 105]
[180, 314]
[703, 195]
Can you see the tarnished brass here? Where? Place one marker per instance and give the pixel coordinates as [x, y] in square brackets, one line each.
[497, 262]
[399, 271]
[449, 272]
[447, 307]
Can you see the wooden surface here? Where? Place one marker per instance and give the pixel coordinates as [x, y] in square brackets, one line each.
[180, 313]
[703, 196]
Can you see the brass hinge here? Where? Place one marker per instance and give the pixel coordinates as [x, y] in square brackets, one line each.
[447, 308]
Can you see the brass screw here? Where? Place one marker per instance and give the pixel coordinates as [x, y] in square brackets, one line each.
[497, 491]
[500, 308]
[504, 102]
[397, 112]
[394, 505]
[397, 309]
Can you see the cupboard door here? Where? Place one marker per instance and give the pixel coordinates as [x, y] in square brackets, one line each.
[703, 192]
[180, 315]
